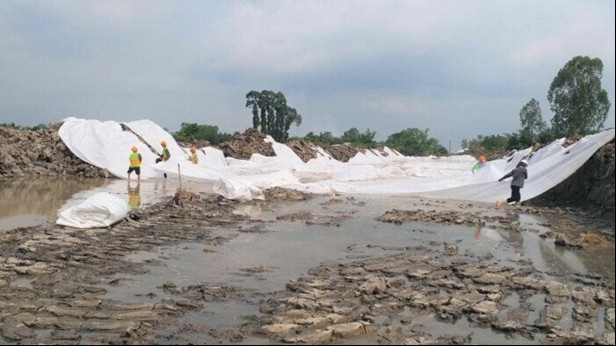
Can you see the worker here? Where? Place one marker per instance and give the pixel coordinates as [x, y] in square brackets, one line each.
[518, 175]
[479, 164]
[164, 155]
[134, 160]
[193, 155]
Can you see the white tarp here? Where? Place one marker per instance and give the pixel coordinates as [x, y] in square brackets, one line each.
[105, 145]
[101, 209]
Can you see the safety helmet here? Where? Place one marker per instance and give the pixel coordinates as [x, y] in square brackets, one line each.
[192, 149]
[163, 143]
[482, 158]
[134, 149]
[524, 162]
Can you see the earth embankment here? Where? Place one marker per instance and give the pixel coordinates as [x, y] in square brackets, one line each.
[25, 153]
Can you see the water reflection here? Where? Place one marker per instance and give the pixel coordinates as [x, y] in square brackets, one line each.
[557, 259]
[29, 202]
[28, 199]
[134, 196]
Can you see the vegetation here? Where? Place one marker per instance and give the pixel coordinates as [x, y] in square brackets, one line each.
[493, 143]
[351, 137]
[271, 114]
[411, 142]
[194, 132]
[531, 121]
[579, 103]
[414, 142]
[576, 97]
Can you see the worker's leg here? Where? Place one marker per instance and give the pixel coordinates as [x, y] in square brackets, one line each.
[515, 194]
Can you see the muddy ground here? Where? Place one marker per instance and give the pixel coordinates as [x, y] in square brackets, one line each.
[55, 281]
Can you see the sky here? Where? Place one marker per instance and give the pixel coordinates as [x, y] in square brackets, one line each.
[456, 68]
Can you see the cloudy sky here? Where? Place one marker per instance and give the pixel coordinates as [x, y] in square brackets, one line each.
[457, 68]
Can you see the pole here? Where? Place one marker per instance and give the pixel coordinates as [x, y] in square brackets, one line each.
[180, 176]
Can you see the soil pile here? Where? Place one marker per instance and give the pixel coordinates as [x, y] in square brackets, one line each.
[40, 153]
[591, 187]
[244, 145]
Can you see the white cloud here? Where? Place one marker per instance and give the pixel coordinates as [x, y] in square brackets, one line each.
[382, 64]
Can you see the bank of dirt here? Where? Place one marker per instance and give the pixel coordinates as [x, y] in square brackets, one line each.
[25, 153]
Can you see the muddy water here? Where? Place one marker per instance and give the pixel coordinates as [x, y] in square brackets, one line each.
[28, 202]
[264, 260]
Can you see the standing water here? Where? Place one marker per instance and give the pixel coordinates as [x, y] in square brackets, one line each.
[285, 250]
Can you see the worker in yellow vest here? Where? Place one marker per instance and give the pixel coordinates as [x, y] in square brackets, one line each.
[164, 155]
[135, 164]
[193, 156]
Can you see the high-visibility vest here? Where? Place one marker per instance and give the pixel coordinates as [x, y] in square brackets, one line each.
[135, 160]
[166, 154]
[194, 159]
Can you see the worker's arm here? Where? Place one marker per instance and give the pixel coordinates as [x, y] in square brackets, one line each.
[506, 176]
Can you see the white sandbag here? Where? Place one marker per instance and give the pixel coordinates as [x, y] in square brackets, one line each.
[238, 190]
[102, 209]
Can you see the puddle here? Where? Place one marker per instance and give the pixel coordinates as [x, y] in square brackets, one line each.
[18, 221]
[462, 327]
[265, 261]
[536, 303]
[281, 251]
[23, 282]
[32, 202]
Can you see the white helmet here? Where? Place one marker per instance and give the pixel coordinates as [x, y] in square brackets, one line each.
[524, 162]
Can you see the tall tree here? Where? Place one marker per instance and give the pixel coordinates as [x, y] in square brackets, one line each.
[531, 121]
[271, 114]
[579, 103]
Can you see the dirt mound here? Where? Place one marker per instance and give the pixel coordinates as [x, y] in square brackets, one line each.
[282, 194]
[43, 153]
[40, 153]
[252, 141]
[342, 152]
[243, 146]
[303, 149]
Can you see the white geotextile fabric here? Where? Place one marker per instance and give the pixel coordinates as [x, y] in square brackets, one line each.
[101, 209]
[105, 145]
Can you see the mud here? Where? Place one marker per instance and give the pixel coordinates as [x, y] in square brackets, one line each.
[297, 268]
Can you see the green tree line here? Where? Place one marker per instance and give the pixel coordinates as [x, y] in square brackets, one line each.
[579, 103]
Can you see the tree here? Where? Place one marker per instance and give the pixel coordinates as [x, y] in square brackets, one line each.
[531, 122]
[324, 139]
[271, 114]
[191, 132]
[489, 143]
[362, 140]
[414, 142]
[579, 103]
